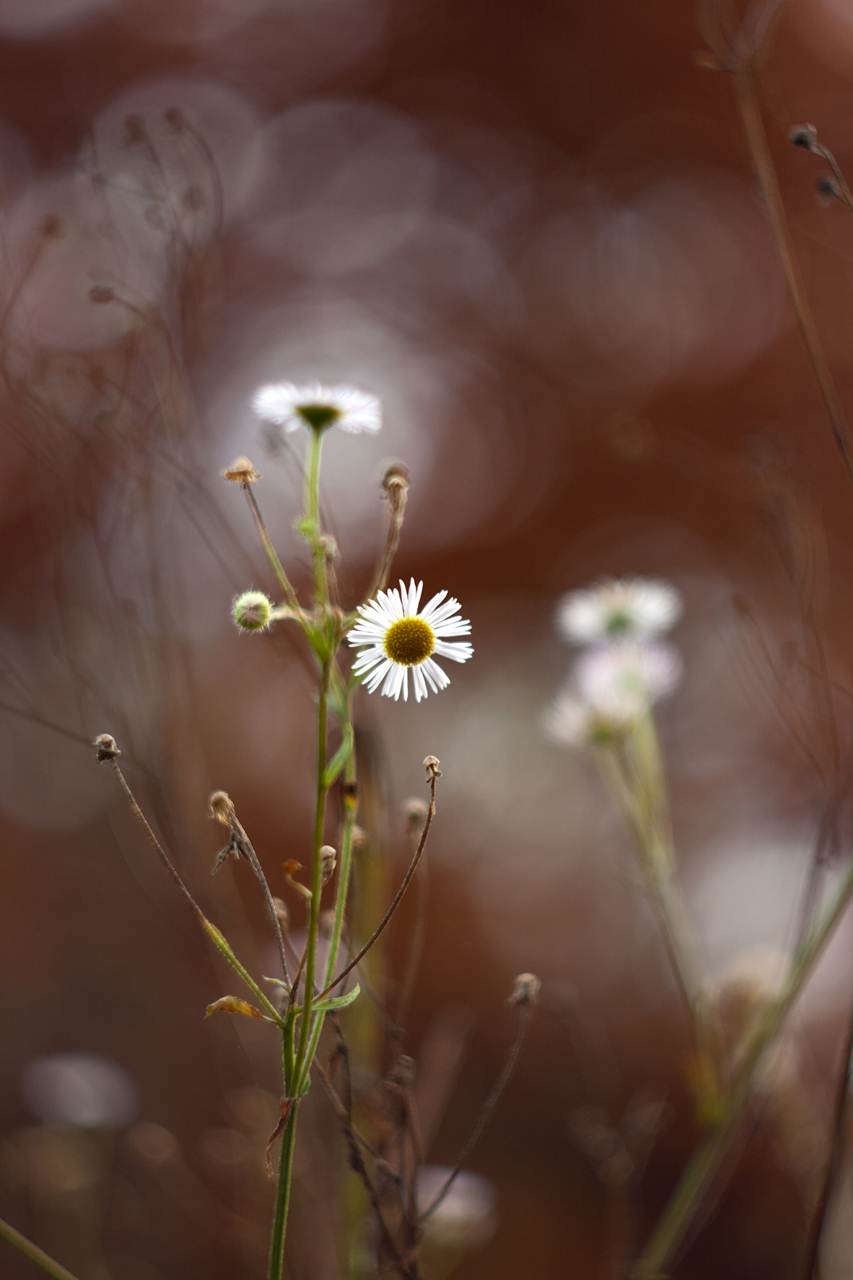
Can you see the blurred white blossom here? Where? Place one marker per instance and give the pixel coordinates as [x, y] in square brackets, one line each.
[290, 407]
[610, 689]
[631, 608]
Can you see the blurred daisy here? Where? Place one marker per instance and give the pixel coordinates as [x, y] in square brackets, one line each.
[631, 609]
[396, 637]
[611, 689]
[288, 407]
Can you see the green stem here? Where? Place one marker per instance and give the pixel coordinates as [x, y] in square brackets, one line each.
[282, 1198]
[33, 1253]
[312, 515]
[303, 1062]
[700, 1172]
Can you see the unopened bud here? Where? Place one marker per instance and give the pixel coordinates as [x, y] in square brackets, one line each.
[328, 862]
[221, 807]
[525, 989]
[106, 747]
[241, 471]
[252, 611]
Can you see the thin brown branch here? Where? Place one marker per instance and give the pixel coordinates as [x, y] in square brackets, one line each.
[525, 1005]
[433, 774]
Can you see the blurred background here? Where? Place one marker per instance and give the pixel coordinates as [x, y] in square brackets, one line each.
[535, 234]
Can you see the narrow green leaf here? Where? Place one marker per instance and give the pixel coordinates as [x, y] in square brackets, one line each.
[223, 946]
[341, 756]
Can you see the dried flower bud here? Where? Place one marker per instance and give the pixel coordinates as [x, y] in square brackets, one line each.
[328, 862]
[241, 471]
[415, 812]
[395, 484]
[432, 764]
[803, 135]
[106, 747]
[252, 611]
[221, 807]
[525, 989]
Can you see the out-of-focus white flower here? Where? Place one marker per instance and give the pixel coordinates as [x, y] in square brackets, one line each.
[80, 1089]
[288, 407]
[627, 609]
[466, 1217]
[610, 689]
[397, 637]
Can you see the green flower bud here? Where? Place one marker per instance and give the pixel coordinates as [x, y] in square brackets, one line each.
[252, 611]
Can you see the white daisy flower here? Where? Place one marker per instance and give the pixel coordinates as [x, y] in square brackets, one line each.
[611, 688]
[630, 609]
[397, 636]
[288, 407]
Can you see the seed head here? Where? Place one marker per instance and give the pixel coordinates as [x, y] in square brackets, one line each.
[525, 989]
[241, 471]
[106, 747]
[221, 808]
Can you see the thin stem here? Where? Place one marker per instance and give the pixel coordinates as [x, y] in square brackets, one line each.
[701, 1170]
[759, 150]
[350, 803]
[271, 553]
[302, 1059]
[33, 1253]
[247, 849]
[282, 1199]
[312, 515]
[395, 901]
[486, 1112]
[836, 1149]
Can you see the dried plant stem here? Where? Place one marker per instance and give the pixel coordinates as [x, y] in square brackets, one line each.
[702, 1169]
[271, 553]
[398, 896]
[33, 1253]
[486, 1111]
[759, 150]
[836, 1149]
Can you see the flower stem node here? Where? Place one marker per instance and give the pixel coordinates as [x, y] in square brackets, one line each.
[221, 808]
[106, 747]
[241, 471]
[252, 611]
[525, 989]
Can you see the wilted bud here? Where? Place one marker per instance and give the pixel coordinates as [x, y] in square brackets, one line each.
[432, 764]
[241, 471]
[803, 135]
[525, 989]
[221, 807]
[395, 483]
[328, 862]
[252, 611]
[106, 747]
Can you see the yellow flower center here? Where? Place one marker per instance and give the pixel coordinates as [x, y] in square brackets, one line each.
[409, 641]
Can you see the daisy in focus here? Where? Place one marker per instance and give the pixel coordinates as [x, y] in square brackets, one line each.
[612, 688]
[624, 609]
[396, 637]
[288, 407]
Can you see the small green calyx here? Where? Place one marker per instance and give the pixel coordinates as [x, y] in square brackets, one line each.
[618, 624]
[409, 641]
[318, 416]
